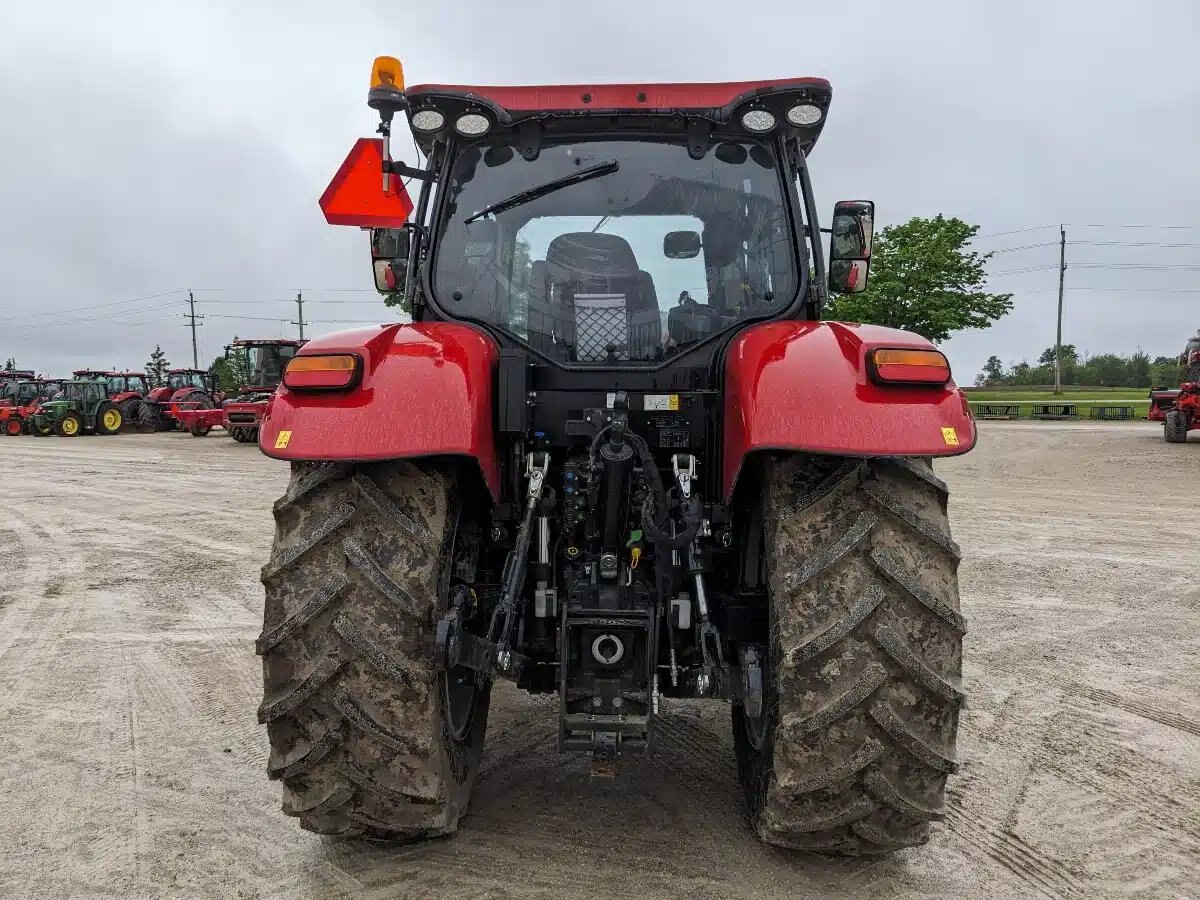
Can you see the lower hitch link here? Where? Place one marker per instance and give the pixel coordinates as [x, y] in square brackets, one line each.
[709, 679]
[492, 655]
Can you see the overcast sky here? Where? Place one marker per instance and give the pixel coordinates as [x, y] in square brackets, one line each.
[153, 147]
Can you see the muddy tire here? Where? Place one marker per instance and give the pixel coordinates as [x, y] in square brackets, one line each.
[130, 410]
[358, 578]
[150, 417]
[1175, 427]
[244, 434]
[851, 752]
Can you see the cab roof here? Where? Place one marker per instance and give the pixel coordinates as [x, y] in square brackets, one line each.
[717, 102]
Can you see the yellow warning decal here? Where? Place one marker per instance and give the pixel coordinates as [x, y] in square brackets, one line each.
[949, 435]
[661, 403]
[285, 436]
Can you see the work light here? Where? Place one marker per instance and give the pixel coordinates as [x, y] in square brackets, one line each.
[472, 125]
[804, 114]
[428, 121]
[758, 120]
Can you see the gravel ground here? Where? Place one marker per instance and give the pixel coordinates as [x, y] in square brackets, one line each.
[133, 766]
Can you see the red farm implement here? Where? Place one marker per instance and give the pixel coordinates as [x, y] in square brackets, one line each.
[185, 389]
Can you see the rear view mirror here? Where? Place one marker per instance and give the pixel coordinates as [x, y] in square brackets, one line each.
[681, 245]
[389, 275]
[850, 245]
[389, 243]
[389, 257]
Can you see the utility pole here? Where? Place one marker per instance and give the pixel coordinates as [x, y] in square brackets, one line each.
[191, 315]
[1062, 271]
[300, 316]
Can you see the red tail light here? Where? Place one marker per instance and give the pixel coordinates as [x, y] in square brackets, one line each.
[334, 372]
[900, 366]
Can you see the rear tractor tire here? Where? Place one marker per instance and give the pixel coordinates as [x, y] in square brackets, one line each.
[150, 418]
[244, 434]
[1175, 427]
[130, 410]
[862, 685]
[366, 736]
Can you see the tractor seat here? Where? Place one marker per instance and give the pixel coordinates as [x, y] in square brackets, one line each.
[596, 299]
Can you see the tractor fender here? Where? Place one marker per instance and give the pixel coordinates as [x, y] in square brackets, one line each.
[426, 390]
[158, 395]
[125, 395]
[805, 386]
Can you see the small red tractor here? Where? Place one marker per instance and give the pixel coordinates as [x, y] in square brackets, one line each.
[125, 389]
[19, 400]
[13, 376]
[185, 389]
[617, 456]
[1184, 415]
[261, 363]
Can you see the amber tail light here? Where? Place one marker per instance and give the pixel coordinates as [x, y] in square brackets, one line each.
[333, 372]
[900, 366]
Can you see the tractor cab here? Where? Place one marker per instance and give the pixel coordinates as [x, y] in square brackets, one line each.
[19, 393]
[12, 377]
[50, 388]
[261, 363]
[180, 379]
[127, 383]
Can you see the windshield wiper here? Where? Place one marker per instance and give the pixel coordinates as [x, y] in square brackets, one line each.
[533, 193]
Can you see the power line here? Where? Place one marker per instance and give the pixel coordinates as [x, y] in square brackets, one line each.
[93, 306]
[1129, 244]
[1022, 271]
[980, 237]
[1169, 227]
[1154, 267]
[31, 328]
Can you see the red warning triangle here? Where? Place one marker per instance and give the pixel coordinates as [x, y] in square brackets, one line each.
[356, 197]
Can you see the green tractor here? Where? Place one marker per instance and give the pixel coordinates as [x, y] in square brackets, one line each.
[84, 406]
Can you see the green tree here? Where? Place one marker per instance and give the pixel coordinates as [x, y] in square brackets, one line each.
[232, 369]
[397, 298]
[1139, 369]
[992, 374]
[925, 279]
[10, 364]
[1166, 372]
[157, 366]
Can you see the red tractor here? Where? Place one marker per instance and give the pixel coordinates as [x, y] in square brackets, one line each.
[1184, 415]
[185, 389]
[125, 389]
[616, 456]
[13, 376]
[261, 364]
[20, 399]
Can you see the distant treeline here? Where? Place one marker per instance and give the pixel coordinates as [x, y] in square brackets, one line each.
[1137, 370]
